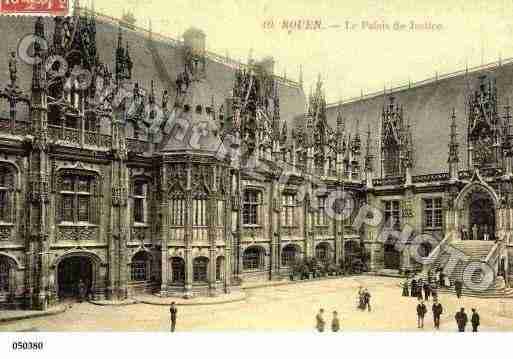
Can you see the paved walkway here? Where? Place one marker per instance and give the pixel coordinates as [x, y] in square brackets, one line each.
[14, 315]
[280, 308]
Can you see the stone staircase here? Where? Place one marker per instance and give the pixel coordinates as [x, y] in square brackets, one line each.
[473, 251]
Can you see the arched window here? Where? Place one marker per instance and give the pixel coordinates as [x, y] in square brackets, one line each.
[322, 252]
[140, 205]
[140, 267]
[253, 258]
[289, 255]
[5, 271]
[220, 268]
[6, 195]
[76, 198]
[177, 270]
[200, 269]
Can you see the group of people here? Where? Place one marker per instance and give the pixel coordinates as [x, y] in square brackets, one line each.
[420, 289]
[436, 309]
[462, 320]
[320, 323]
[364, 299]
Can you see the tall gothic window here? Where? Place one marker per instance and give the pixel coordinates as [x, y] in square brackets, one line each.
[177, 212]
[251, 204]
[220, 213]
[392, 211]
[5, 270]
[288, 212]
[321, 217]
[199, 212]
[177, 270]
[433, 213]
[140, 190]
[6, 179]
[391, 160]
[140, 267]
[200, 269]
[76, 198]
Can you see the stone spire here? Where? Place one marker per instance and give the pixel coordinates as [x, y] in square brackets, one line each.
[38, 74]
[453, 159]
[368, 152]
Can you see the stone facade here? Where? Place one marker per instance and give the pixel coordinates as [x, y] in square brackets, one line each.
[109, 188]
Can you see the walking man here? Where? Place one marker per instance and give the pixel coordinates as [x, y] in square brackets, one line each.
[421, 312]
[461, 319]
[320, 321]
[172, 311]
[458, 286]
[366, 299]
[335, 323]
[474, 320]
[427, 290]
[437, 312]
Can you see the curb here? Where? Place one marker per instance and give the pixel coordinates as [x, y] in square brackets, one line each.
[243, 298]
[299, 281]
[34, 315]
[104, 304]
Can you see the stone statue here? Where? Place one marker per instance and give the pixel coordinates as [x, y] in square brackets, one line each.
[474, 232]
[13, 69]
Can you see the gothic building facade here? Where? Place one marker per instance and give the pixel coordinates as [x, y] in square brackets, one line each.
[181, 173]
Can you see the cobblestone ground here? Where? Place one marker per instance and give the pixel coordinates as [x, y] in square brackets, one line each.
[290, 307]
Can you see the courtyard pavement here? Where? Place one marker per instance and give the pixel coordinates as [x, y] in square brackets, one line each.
[280, 308]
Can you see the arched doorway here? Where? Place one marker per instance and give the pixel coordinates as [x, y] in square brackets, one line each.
[71, 271]
[392, 257]
[322, 252]
[253, 258]
[289, 255]
[481, 217]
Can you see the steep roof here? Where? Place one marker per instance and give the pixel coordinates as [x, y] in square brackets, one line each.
[428, 105]
[154, 57]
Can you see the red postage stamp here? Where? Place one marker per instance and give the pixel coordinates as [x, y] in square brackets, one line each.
[34, 6]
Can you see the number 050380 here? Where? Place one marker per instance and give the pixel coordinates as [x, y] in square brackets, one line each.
[19, 345]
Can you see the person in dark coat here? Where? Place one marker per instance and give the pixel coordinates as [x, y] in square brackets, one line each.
[406, 290]
[335, 323]
[366, 299]
[413, 287]
[461, 319]
[434, 292]
[458, 286]
[427, 291]
[474, 320]
[442, 279]
[437, 312]
[172, 312]
[421, 312]
[320, 321]
[81, 291]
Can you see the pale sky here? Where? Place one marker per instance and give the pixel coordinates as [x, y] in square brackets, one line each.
[349, 61]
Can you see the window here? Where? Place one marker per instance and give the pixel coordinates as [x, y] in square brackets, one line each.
[177, 270]
[4, 275]
[392, 214]
[220, 268]
[140, 190]
[199, 212]
[289, 205]
[252, 258]
[250, 207]
[76, 198]
[200, 269]
[433, 213]
[288, 255]
[140, 267]
[178, 212]
[6, 180]
[220, 214]
[322, 252]
[321, 218]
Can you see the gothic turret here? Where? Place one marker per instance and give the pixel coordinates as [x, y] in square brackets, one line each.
[453, 160]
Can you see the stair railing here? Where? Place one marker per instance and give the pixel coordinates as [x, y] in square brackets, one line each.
[435, 253]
